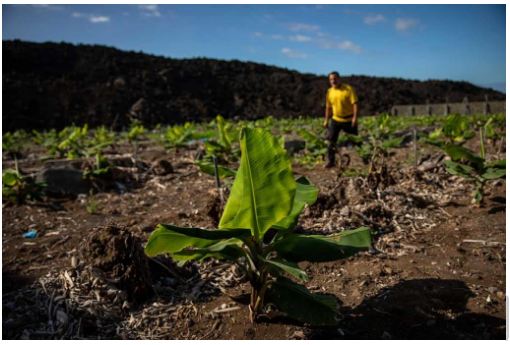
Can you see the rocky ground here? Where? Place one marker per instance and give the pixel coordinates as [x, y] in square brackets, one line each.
[436, 271]
[54, 85]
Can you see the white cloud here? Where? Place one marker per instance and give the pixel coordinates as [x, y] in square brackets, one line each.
[303, 27]
[257, 34]
[374, 19]
[300, 38]
[277, 37]
[91, 17]
[49, 7]
[329, 43]
[350, 46]
[405, 24]
[99, 19]
[293, 54]
[150, 10]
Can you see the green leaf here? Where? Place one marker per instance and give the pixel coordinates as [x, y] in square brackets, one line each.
[478, 195]
[435, 134]
[286, 266]
[392, 142]
[460, 169]
[300, 304]
[461, 154]
[316, 248]
[225, 249]
[263, 190]
[306, 194]
[10, 178]
[208, 168]
[213, 147]
[172, 239]
[225, 140]
[501, 163]
[493, 173]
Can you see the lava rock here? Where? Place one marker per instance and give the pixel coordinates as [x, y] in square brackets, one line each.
[65, 181]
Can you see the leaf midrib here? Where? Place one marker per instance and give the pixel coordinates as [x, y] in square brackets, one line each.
[252, 192]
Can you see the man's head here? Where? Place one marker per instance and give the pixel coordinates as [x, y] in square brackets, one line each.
[334, 79]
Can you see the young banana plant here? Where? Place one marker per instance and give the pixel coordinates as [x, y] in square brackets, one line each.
[265, 196]
[468, 165]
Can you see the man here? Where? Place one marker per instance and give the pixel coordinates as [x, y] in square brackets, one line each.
[341, 113]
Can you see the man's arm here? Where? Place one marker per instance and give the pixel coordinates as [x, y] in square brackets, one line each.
[354, 113]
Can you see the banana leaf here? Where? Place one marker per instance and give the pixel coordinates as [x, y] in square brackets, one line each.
[459, 169]
[306, 194]
[263, 190]
[392, 142]
[493, 173]
[317, 248]
[501, 164]
[224, 249]
[461, 154]
[172, 239]
[281, 265]
[299, 304]
[208, 168]
[10, 178]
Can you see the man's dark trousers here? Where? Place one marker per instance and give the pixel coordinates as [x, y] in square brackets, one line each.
[334, 129]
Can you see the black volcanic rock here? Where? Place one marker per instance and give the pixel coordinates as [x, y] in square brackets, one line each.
[53, 85]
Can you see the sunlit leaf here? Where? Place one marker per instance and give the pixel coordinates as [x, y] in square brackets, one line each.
[264, 188]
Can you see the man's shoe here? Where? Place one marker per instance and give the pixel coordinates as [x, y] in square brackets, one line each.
[329, 165]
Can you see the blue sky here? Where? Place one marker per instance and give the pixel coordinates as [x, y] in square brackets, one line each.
[457, 42]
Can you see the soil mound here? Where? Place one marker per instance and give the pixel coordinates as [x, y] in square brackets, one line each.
[119, 255]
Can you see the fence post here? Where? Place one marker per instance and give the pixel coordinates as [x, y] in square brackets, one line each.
[486, 105]
[217, 176]
[415, 148]
[446, 107]
[428, 109]
[465, 106]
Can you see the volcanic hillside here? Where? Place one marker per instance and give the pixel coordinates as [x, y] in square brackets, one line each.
[52, 85]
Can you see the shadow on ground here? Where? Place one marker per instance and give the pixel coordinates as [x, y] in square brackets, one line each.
[416, 309]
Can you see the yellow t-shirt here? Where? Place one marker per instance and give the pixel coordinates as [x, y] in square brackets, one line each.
[340, 101]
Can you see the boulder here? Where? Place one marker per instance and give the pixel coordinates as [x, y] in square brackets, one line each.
[63, 181]
[294, 146]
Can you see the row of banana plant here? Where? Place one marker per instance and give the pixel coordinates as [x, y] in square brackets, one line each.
[218, 138]
[219, 135]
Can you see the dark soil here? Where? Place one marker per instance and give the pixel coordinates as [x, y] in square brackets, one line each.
[437, 270]
[118, 254]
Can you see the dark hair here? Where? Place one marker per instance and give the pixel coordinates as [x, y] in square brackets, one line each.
[334, 73]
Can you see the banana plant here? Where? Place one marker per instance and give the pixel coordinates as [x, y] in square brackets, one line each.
[73, 142]
[456, 129]
[467, 164]
[13, 143]
[316, 146]
[223, 147]
[17, 188]
[265, 196]
[178, 135]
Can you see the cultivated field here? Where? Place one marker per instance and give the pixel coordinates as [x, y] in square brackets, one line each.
[422, 199]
